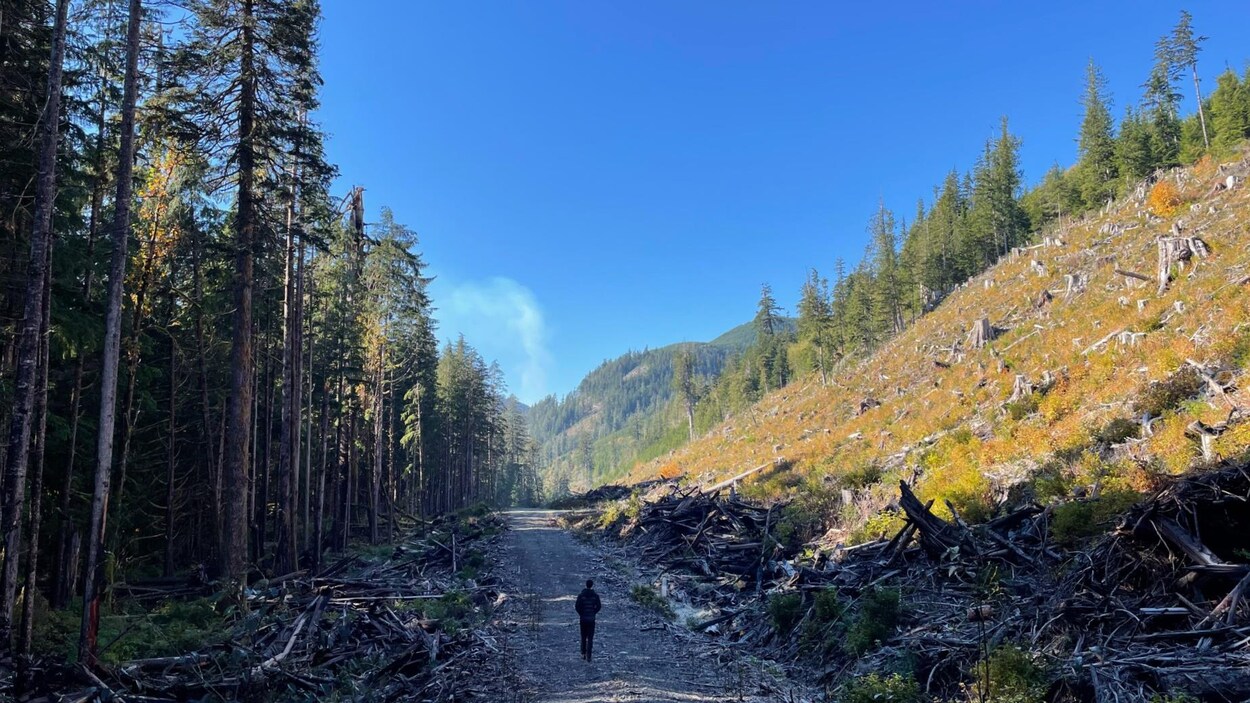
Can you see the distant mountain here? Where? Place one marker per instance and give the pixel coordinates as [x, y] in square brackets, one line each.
[623, 411]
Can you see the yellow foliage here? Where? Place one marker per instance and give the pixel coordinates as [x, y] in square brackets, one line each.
[821, 432]
[1164, 198]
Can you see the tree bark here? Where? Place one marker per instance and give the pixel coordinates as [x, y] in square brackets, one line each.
[1202, 117]
[288, 449]
[239, 405]
[60, 593]
[36, 483]
[26, 381]
[112, 345]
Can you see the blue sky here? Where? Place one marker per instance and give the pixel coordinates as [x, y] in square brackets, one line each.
[589, 177]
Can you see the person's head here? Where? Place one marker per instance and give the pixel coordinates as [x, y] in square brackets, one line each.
[590, 583]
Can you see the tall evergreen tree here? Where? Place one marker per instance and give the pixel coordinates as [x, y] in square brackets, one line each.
[1096, 164]
[888, 291]
[1179, 51]
[1134, 156]
[1230, 113]
[815, 324]
[1162, 114]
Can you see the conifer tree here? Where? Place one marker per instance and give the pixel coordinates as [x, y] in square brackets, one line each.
[815, 324]
[1230, 113]
[685, 385]
[1179, 52]
[1133, 149]
[1096, 147]
[1162, 114]
[888, 291]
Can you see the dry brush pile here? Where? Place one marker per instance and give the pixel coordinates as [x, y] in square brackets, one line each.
[1155, 604]
[407, 626]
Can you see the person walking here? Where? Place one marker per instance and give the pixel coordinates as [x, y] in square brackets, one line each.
[588, 606]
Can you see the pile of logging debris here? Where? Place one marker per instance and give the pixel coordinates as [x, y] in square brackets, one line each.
[1159, 604]
[596, 496]
[402, 628]
[704, 533]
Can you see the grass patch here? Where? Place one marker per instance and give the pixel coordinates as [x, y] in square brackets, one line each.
[884, 523]
[473, 564]
[173, 628]
[1116, 431]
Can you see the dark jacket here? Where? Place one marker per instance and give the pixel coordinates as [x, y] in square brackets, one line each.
[588, 605]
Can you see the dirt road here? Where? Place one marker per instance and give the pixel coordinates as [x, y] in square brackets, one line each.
[637, 656]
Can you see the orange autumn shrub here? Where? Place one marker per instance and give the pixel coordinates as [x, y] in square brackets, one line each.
[1164, 199]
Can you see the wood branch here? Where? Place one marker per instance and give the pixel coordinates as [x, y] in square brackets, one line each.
[1134, 274]
[779, 461]
[1101, 342]
[1176, 535]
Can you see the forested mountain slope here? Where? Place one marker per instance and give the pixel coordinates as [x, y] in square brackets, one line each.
[623, 410]
[1095, 374]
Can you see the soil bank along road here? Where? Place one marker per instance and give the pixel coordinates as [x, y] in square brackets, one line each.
[636, 656]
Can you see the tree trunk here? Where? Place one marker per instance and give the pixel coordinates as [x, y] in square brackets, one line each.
[213, 468]
[25, 384]
[36, 482]
[112, 346]
[239, 405]
[375, 482]
[60, 594]
[172, 446]
[288, 445]
[1202, 117]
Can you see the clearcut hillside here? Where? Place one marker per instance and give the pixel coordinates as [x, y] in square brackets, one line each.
[1094, 377]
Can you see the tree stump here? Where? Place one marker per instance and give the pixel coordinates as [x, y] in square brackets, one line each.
[981, 333]
[1073, 283]
[1175, 251]
[1021, 389]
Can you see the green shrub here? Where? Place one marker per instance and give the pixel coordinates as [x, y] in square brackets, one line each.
[647, 597]
[806, 517]
[1159, 397]
[823, 626]
[473, 563]
[885, 523]
[1173, 698]
[1116, 431]
[453, 610]
[785, 610]
[875, 620]
[875, 688]
[1011, 675]
[861, 476]
[1083, 519]
[1019, 409]
[1050, 482]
